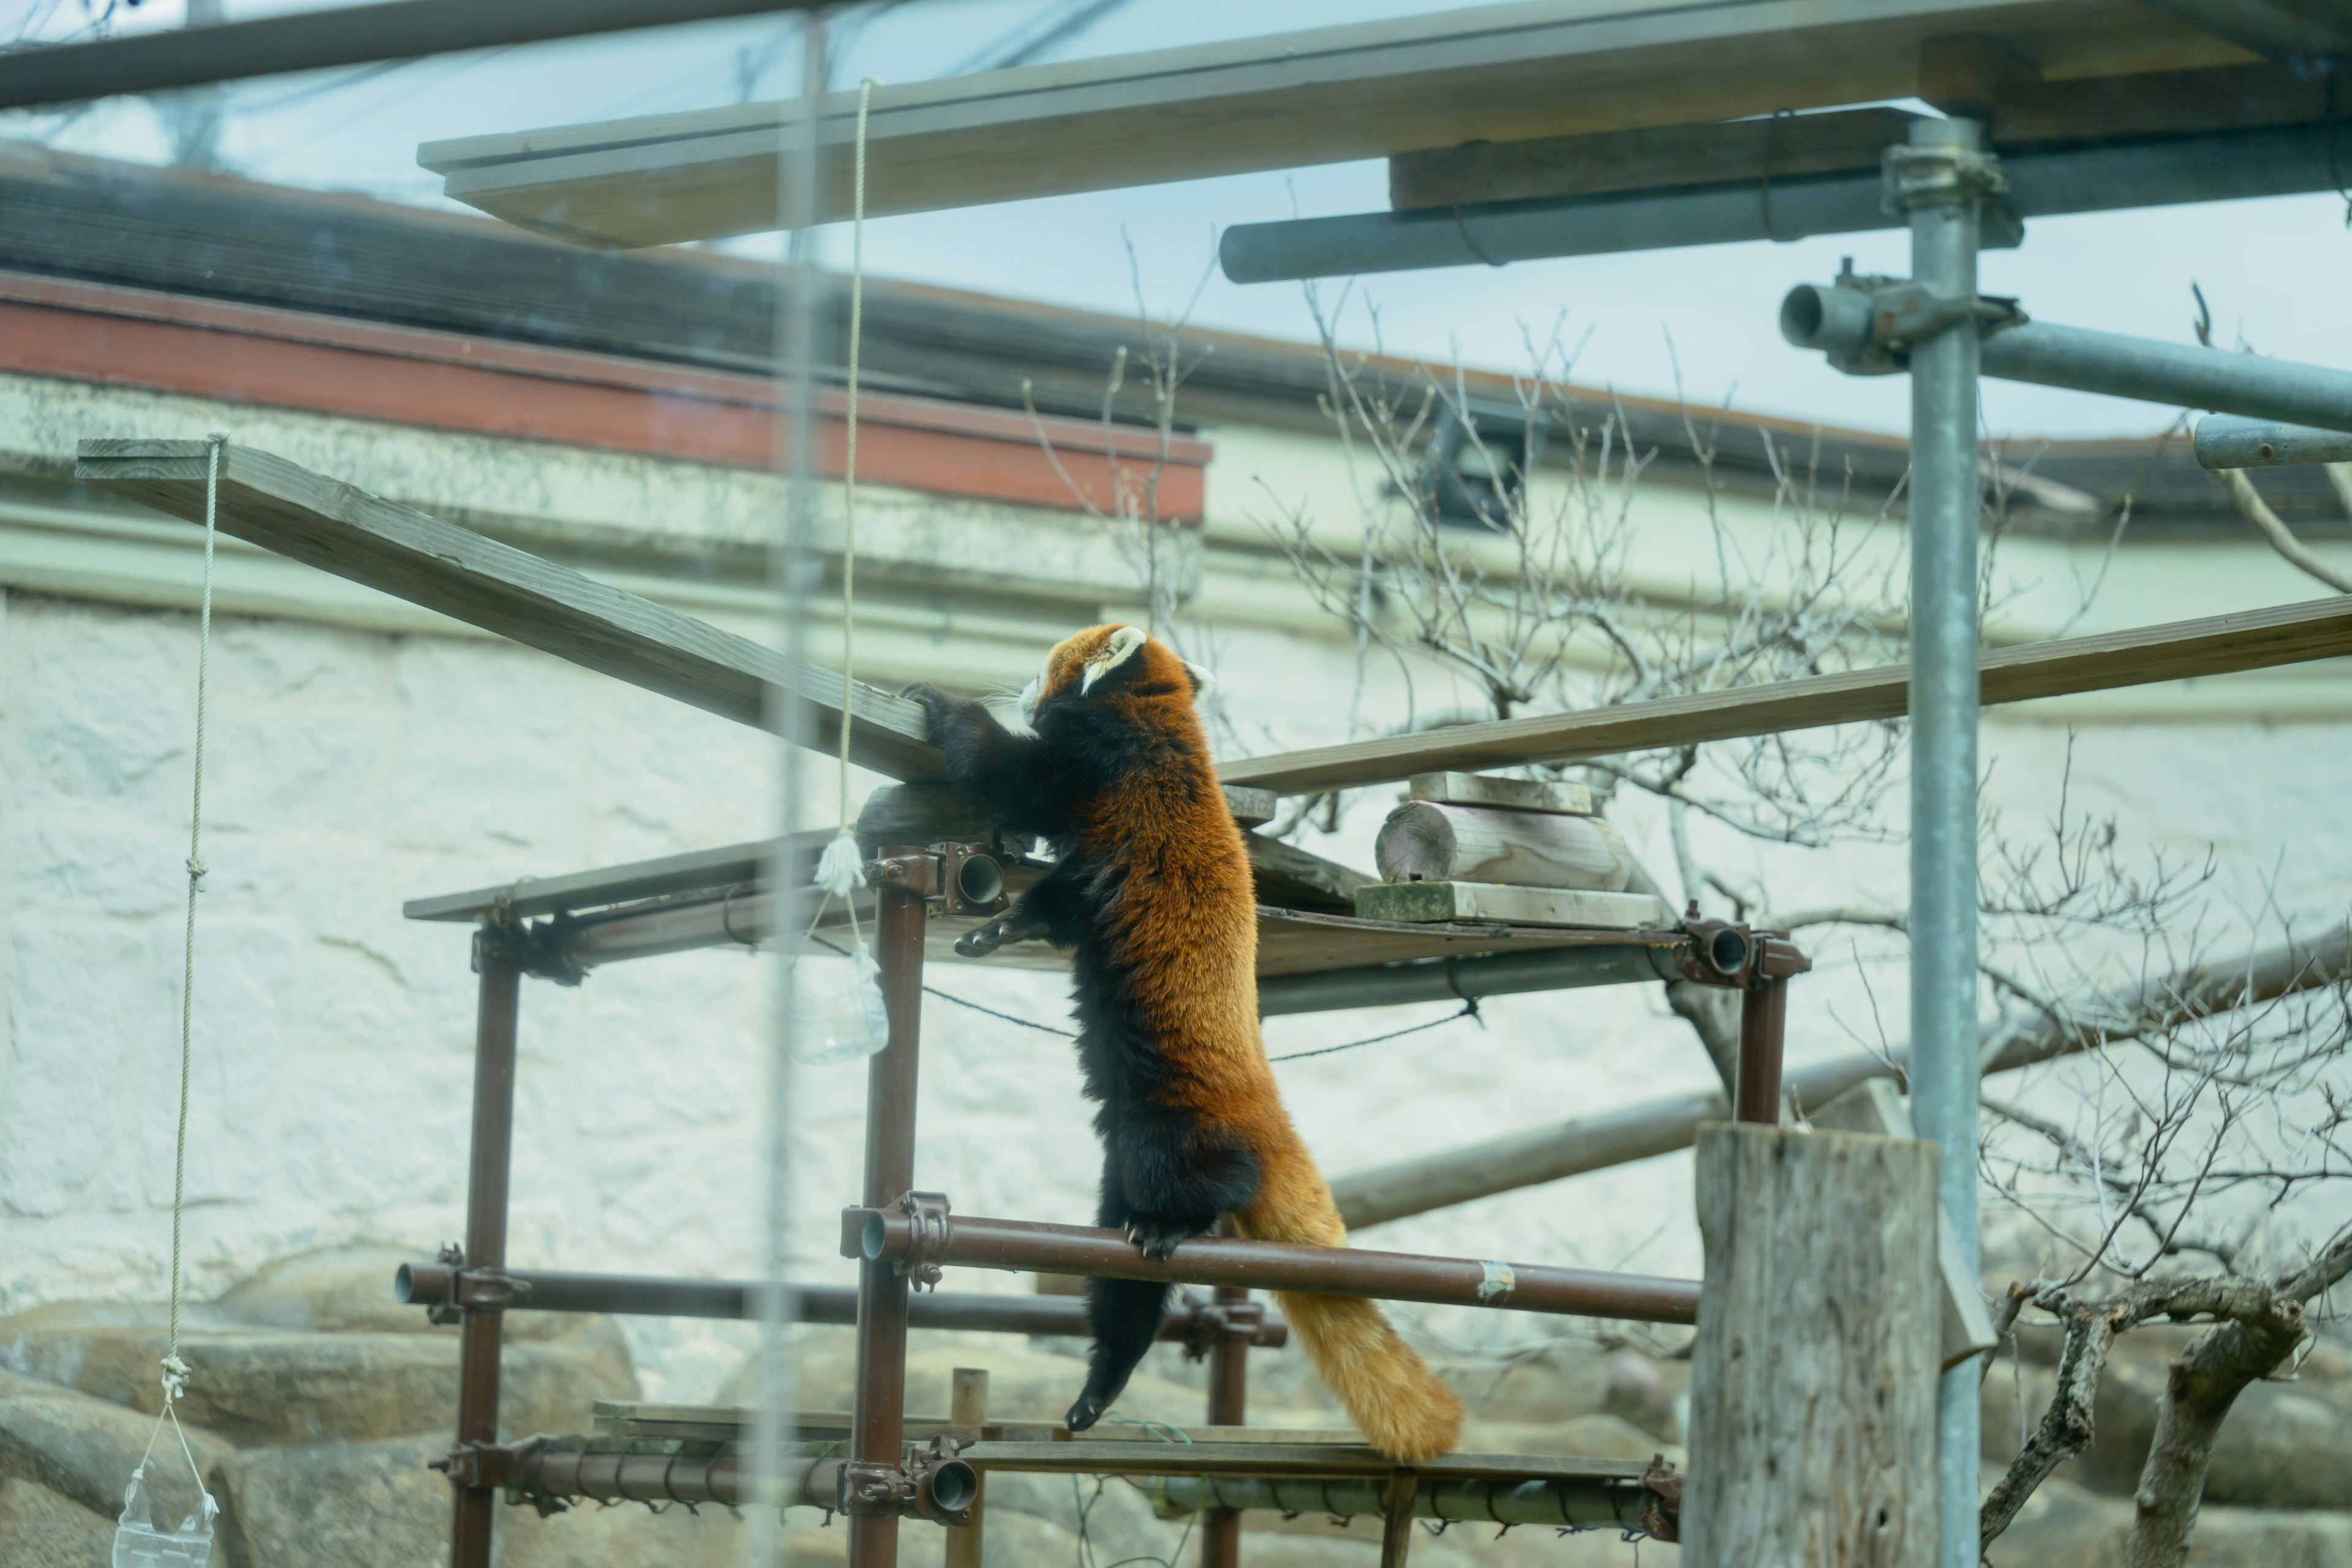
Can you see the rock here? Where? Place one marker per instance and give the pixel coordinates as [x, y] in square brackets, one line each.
[84, 1449]
[2063, 1525]
[2285, 1444]
[1119, 1520]
[263, 1385]
[1569, 1379]
[1646, 1393]
[38, 1528]
[348, 1290]
[374, 1505]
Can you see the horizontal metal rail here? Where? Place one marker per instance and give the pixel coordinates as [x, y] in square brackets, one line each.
[2159, 172]
[2184, 375]
[2231, 441]
[1564, 1504]
[555, 1469]
[329, 36]
[631, 1295]
[1459, 979]
[893, 1236]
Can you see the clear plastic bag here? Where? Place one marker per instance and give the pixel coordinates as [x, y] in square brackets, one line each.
[139, 1544]
[837, 1012]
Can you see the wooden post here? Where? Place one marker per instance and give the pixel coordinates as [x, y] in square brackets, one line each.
[1813, 1377]
[968, 1406]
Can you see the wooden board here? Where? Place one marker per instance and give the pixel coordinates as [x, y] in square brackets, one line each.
[1874, 1107]
[2180, 650]
[728, 1423]
[341, 529]
[1508, 794]
[1418, 903]
[1542, 67]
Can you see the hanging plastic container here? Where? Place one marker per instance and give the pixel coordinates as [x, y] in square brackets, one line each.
[139, 1544]
[837, 1012]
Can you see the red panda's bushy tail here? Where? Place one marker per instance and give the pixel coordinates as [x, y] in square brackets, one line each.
[1389, 1391]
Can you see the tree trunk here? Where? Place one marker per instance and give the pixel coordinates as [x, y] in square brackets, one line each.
[2204, 1383]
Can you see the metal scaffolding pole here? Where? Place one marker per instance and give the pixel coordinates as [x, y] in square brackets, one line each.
[1940, 178]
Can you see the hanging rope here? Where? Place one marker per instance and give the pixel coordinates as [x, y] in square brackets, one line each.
[134, 1527]
[842, 868]
[214, 445]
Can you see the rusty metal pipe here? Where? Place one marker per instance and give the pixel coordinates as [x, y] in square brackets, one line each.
[726, 1478]
[628, 1295]
[1220, 1528]
[879, 1411]
[1763, 1029]
[489, 1167]
[1577, 1504]
[882, 1237]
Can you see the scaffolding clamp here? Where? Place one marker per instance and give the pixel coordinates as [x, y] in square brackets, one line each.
[1867, 325]
[1662, 1508]
[929, 1237]
[930, 1483]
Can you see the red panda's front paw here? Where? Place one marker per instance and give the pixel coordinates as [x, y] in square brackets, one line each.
[1158, 1239]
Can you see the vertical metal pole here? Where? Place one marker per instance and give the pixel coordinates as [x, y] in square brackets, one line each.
[1947, 179]
[877, 1419]
[1220, 1528]
[1763, 1029]
[485, 1237]
[968, 1406]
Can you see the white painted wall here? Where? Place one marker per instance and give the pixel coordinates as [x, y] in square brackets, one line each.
[358, 759]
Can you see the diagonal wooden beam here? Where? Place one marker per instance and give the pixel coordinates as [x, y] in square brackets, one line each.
[2219, 645]
[341, 529]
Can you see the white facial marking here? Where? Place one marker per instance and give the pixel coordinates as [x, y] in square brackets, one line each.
[1029, 694]
[1117, 650]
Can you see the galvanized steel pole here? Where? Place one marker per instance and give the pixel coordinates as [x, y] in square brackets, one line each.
[1939, 179]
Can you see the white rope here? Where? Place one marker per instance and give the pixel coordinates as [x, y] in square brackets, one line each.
[213, 444]
[842, 869]
[174, 1370]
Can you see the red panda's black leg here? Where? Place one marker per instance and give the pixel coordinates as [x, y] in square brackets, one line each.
[1126, 1315]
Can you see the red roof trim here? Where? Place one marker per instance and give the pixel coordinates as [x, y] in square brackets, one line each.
[294, 359]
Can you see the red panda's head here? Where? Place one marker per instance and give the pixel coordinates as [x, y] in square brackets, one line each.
[1094, 663]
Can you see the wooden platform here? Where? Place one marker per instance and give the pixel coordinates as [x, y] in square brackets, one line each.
[1496, 73]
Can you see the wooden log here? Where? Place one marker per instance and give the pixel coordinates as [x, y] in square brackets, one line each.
[968, 1406]
[1423, 841]
[1813, 1375]
[2217, 645]
[1876, 1109]
[341, 529]
[1512, 794]
[1416, 903]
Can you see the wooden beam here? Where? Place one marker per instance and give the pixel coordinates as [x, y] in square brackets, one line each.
[2219, 645]
[343, 530]
[1540, 67]
[2025, 111]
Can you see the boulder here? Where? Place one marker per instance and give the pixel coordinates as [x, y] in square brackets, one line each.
[40, 1529]
[348, 1290]
[375, 1505]
[2063, 1525]
[1595, 1437]
[2286, 1444]
[254, 1384]
[84, 1449]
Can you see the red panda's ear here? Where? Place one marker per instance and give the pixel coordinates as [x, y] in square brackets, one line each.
[1202, 678]
[1116, 649]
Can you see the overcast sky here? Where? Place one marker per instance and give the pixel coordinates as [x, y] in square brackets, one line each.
[2271, 268]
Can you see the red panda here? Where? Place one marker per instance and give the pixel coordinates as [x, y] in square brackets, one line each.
[1151, 889]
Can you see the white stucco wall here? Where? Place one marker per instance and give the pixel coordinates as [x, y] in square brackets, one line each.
[352, 766]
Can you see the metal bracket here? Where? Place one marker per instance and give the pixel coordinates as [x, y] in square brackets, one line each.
[472, 1290]
[1661, 1509]
[962, 878]
[481, 1465]
[929, 1240]
[1867, 325]
[1732, 956]
[536, 950]
[1944, 174]
[1207, 1322]
[931, 1484]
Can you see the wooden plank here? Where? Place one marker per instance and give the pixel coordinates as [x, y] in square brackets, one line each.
[1542, 67]
[1781, 146]
[341, 529]
[1972, 71]
[1415, 902]
[2178, 650]
[1876, 1109]
[1812, 1422]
